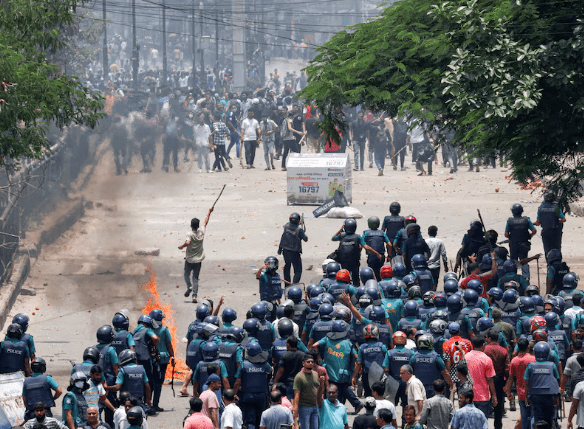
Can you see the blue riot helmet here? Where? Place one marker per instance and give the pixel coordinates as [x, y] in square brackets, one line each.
[325, 311]
[411, 309]
[105, 334]
[213, 320]
[526, 304]
[285, 328]
[259, 311]
[471, 297]
[315, 303]
[552, 320]
[210, 351]
[486, 262]
[419, 261]
[91, 354]
[360, 292]
[22, 320]
[495, 293]
[315, 291]
[373, 292]
[295, 294]
[365, 301]
[570, 281]
[238, 333]
[135, 416]
[554, 255]
[272, 264]
[157, 314]
[516, 209]
[484, 324]
[454, 303]
[350, 226]
[377, 314]
[229, 315]
[561, 305]
[145, 319]
[509, 266]
[541, 351]
[475, 285]
[450, 275]
[127, 356]
[391, 289]
[366, 273]
[332, 269]
[440, 300]
[280, 312]
[409, 280]
[251, 326]
[253, 349]
[328, 298]
[202, 312]
[399, 271]
[415, 292]
[120, 322]
[538, 302]
[532, 290]
[510, 301]
[324, 265]
[450, 287]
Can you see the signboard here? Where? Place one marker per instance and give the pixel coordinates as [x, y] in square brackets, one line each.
[11, 404]
[313, 178]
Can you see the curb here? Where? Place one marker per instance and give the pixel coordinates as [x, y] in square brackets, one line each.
[13, 286]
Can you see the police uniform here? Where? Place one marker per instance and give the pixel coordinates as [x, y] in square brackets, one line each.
[371, 351]
[424, 279]
[122, 340]
[350, 253]
[144, 348]
[291, 246]
[542, 379]
[319, 331]
[270, 290]
[231, 354]
[266, 334]
[519, 228]
[556, 271]
[394, 360]
[253, 391]
[13, 354]
[200, 374]
[428, 366]
[375, 239]
[38, 388]
[160, 365]
[391, 225]
[549, 214]
[132, 378]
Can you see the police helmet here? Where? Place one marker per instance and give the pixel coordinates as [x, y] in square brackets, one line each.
[373, 222]
[516, 209]
[496, 293]
[120, 322]
[157, 315]
[315, 291]
[393, 289]
[561, 305]
[454, 303]
[105, 334]
[213, 320]
[145, 319]
[450, 275]
[409, 220]
[399, 270]
[202, 312]
[272, 262]
[419, 261]
[415, 292]
[532, 290]
[339, 326]
[365, 301]
[538, 302]
[372, 289]
[526, 304]
[426, 342]
[539, 335]
[315, 303]
[377, 314]
[285, 328]
[325, 264]
[91, 354]
[343, 276]
[439, 300]
[327, 298]
[554, 255]
[366, 273]
[394, 208]
[438, 326]
[78, 376]
[536, 323]
[332, 269]
[259, 311]
[552, 320]
[325, 310]
[38, 365]
[410, 281]
[541, 351]
[210, 351]
[295, 294]
[238, 333]
[412, 228]
[509, 266]
[295, 219]
[570, 281]
[411, 309]
[251, 326]
[450, 287]
[486, 262]
[14, 331]
[350, 226]
[510, 297]
[549, 196]
[371, 331]
[484, 324]
[127, 356]
[206, 330]
[453, 328]
[344, 314]
[428, 298]
[511, 284]
[475, 285]
[135, 416]
[22, 320]
[471, 297]
[440, 314]
[386, 272]
[229, 315]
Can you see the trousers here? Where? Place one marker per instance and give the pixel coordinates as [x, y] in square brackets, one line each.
[292, 259]
[250, 149]
[192, 269]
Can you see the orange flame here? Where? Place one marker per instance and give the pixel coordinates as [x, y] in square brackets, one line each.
[181, 369]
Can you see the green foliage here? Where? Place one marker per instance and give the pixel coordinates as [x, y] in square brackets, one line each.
[31, 30]
[506, 76]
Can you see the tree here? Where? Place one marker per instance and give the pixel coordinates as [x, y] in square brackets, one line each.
[504, 75]
[31, 30]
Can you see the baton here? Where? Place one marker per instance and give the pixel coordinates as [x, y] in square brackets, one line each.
[303, 224]
[172, 379]
[538, 280]
[485, 231]
[222, 189]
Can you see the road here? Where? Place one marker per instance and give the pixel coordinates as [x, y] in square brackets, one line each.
[92, 270]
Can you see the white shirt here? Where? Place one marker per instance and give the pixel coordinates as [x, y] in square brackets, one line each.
[231, 417]
[572, 312]
[384, 403]
[249, 127]
[202, 133]
[295, 329]
[437, 250]
[120, 421]
[416, 392]
[579, 394]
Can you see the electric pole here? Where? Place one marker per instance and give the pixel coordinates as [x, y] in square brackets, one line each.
[217, 39]
[164, 62]
[105, 64]
[135, 48]
[194, 73]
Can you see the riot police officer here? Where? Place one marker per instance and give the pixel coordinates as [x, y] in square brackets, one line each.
[228, 316]
[322, 326]
[210, 355]
[371, 351]
[570, 282]
[14, 354]
[394, 360]
[556, 271]
[423, 275]
[350, 248]
[38, 388]
[411, 313]
[270, 284]
[266, 332]
[392, 224]
[517, 231]
[163, 358]
[551, 218]
[90, 358]
[231, 352]
[146, 344]
[122, 339]
[291, 247]
[401, 237]
[378, 241]
[108, 358]
[301, 308]
[414, 245]
[132, 378]
[428, 365]
[22, 320]
[542, 387]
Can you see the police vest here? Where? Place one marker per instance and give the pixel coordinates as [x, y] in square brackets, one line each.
[398, 358]
[311, 319]
[358, 328]
[278, 350]
[300, 311]
[568, 294]
[438, 343]
[120, 342]
[350, 248]
[85, 369]
[392, 225]
[134, 380]
[560, 270]
[371, 353]
[511, 317]
[38, 390]
[474, 314]
[254, 378]
[321, 328]
[12, 356]
[425, 280]
[518, 228]
[222, 332]
[326, 283]
[142, 347]
[290, 238]
[376, 239]
[542, 380]
[203, 373]
[384, 334]
[459, 318]
[338, 288]
[401, 236]
[526, 323]
[567, 325]
[265, 335]
[424, 313]
[194, 353]
[426, 369]
[404, 323]
[272, 289]
[192, 330]
[228, 355]
[558, 335]
[548, 216]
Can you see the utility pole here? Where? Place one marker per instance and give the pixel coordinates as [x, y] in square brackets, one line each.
[203, 74]
[194, 74]
[135, 48]
[164, 61]
[217, 38]
[238, 46]
[105, 64]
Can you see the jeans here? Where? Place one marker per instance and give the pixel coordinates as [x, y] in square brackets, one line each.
[346, 393]
[484, 406]
[158, 380]
[289, 146]
[435, 275]
[203, 154]
[269, 153]
[401, 155]
[525, 415]
[353, 268]
[170, 145]
[308, 417]
[194, 269]
[292, 259]
[375, 264]
[542, 407]
[250, 148]
[234, 142]
[220, 157]
[379, 156]
[359, 154]
[499, 382]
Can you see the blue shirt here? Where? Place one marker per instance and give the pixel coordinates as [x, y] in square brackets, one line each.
[165, 338]
[332, 416]
[469, 417]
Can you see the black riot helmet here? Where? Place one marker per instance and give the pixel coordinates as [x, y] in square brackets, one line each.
[285, 328]
[38, 365]
[549, 196]
[373, 222]
[350, 226]
[105, 334]
[272, 263]
[135, 416]
[516, 209]
[395, 208]
[127, 356]
[14, 331]
[92, 354]
[295, 219]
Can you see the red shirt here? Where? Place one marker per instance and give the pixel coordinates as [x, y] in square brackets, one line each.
[517, 370]
[450, 348]
[500, 357]
[480, 367]
[483, 278]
